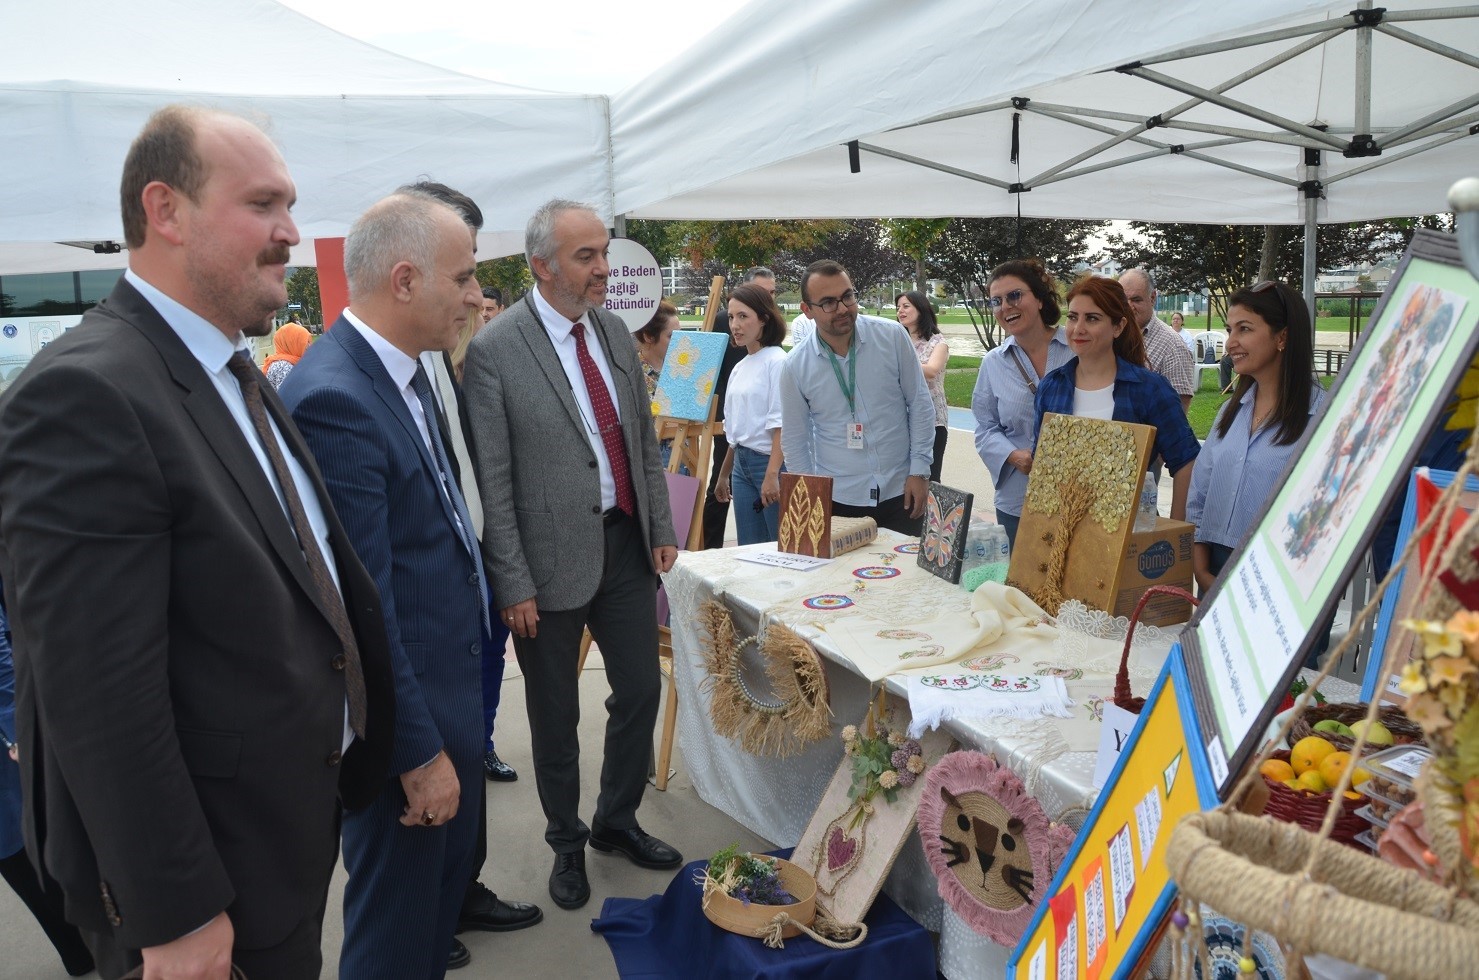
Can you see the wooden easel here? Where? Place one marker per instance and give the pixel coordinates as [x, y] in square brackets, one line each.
[693, 442]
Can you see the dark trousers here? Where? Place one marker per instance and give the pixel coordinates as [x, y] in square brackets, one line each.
[298, 957]
[1010, 523]
[493, 653]
[622, 617]
[889, 513]
[716, 514]
[942, 434]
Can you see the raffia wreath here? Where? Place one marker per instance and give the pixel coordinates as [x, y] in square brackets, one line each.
[989, 843]
[796, 715]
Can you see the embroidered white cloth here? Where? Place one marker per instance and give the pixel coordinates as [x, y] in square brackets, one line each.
[937, 698]
[878, 649]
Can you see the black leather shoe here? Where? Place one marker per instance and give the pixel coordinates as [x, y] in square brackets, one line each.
[497, 770]
[642, 848]
[481, 909]
[567, 882]
[459, 956]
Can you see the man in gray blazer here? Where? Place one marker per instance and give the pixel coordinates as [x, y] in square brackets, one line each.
[576, 529]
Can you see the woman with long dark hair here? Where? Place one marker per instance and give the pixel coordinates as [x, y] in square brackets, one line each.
[1024, 300]
[751, 471]
[1272, 349]
[914, 313]
[1108, 379]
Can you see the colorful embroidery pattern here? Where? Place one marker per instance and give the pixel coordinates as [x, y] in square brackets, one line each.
[990, 682]
[908, 549]
[827, 602]
[876, 572]
[1046, 669]
[996, 662]
[925, 652]
[898, 634]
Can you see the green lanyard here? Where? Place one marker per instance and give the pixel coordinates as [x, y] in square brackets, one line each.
[850, 386]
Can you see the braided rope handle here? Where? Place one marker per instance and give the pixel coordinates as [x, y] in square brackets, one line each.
[1123, 695]
[770, 934]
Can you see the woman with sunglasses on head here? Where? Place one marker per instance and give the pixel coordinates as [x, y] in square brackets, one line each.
[1024, 300]
[914, 313]
[1107, 379]
[1255, 433]
[751, 471]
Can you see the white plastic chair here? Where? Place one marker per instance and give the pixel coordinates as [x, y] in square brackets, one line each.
[1209, 346]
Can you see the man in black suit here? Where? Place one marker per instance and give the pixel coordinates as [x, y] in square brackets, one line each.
[202, 666]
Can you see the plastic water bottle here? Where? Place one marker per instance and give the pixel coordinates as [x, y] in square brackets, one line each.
[1146, 513]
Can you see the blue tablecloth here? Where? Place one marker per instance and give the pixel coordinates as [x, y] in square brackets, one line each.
[667, 936]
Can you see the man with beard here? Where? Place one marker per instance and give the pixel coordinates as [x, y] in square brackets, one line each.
[855, 406]
[202, 667]
[576, 529]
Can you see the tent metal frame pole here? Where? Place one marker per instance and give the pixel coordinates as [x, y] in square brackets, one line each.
[1453, 109]
[1257, 135]
[1459, 125]
[1428, 44]
[1312, 195]
[1187, 151]
[931, 165]
[1363, 74]
[1189, 104]
[1272, 118]
[1339, 25]
[956, 114]
[1394, 157]
[1431, 13]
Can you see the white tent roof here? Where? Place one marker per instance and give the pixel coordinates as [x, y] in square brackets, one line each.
[927, 95]
[79, 78]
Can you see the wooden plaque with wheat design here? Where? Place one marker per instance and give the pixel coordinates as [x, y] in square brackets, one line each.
[1080, 510]
[806, 515]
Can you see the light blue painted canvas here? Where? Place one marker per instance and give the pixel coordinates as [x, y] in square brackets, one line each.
[689, 373]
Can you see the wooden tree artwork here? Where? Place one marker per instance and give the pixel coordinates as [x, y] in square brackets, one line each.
[1079, 511]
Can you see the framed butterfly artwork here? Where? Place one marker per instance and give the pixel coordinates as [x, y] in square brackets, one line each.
[947, 518]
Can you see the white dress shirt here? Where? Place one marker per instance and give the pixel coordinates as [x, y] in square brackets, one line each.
[557, 325]
[212, 349]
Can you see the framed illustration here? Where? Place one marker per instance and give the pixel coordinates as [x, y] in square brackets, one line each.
[806, 515]
[947, 518]
[1391, 649]
[685, 389]
[1257, 625]
[1113, 891]
[1080, 510]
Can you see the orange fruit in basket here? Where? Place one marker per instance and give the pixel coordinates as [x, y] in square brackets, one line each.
[1333, 766]
[1277, 769]
[1308, 753]
[1312, 781]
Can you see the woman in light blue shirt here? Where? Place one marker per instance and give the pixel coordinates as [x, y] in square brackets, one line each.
[1025, 302]
[1243, 460]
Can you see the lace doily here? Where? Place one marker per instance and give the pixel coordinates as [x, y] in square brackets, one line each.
[1094, 641]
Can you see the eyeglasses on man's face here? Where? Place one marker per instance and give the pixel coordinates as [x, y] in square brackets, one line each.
[830, 304]
[1010, 299]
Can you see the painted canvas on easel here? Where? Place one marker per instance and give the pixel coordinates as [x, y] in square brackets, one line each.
[1080, 510]
[685, 390]
[947, 518]
[806, 515]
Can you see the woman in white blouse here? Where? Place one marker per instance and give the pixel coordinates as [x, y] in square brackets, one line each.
[751, 472]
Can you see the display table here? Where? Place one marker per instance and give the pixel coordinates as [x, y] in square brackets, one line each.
[776, 797]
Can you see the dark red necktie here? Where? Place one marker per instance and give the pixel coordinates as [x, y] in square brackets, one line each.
[607, 422]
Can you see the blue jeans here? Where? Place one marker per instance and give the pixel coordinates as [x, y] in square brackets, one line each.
[1010, 522]
[745, 480]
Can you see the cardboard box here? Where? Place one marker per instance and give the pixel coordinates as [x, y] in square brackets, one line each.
[1159, 557]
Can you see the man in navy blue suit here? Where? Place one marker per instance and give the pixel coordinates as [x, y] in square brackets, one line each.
[365, 404]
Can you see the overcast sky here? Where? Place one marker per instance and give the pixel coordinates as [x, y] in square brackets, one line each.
[565, 45]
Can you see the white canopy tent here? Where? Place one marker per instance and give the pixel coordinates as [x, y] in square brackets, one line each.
[1210, 122]
[353, 121]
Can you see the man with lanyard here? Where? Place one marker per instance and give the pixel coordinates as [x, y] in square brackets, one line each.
[855, 406]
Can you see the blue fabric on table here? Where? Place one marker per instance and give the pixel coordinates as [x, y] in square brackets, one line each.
[667, 936]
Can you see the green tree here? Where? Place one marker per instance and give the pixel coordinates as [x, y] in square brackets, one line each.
[915, 237]
[862, 248]
[741, 245]
[1224, 258]
[970, 248]
[303, 288]
[663, 239]
[510, 274]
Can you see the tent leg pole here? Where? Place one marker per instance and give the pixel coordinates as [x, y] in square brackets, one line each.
[1311, 233]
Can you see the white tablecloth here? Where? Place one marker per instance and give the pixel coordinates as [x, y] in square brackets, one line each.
[775, 798]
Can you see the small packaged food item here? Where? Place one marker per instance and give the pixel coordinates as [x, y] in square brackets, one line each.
[1393, 772]
[1369, 838]
[1371, 816]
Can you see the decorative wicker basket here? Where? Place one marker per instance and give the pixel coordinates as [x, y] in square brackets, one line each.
[1403, 731]
[1307, 809]
[1361, 909]
[752, 920]
[1124, 697]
